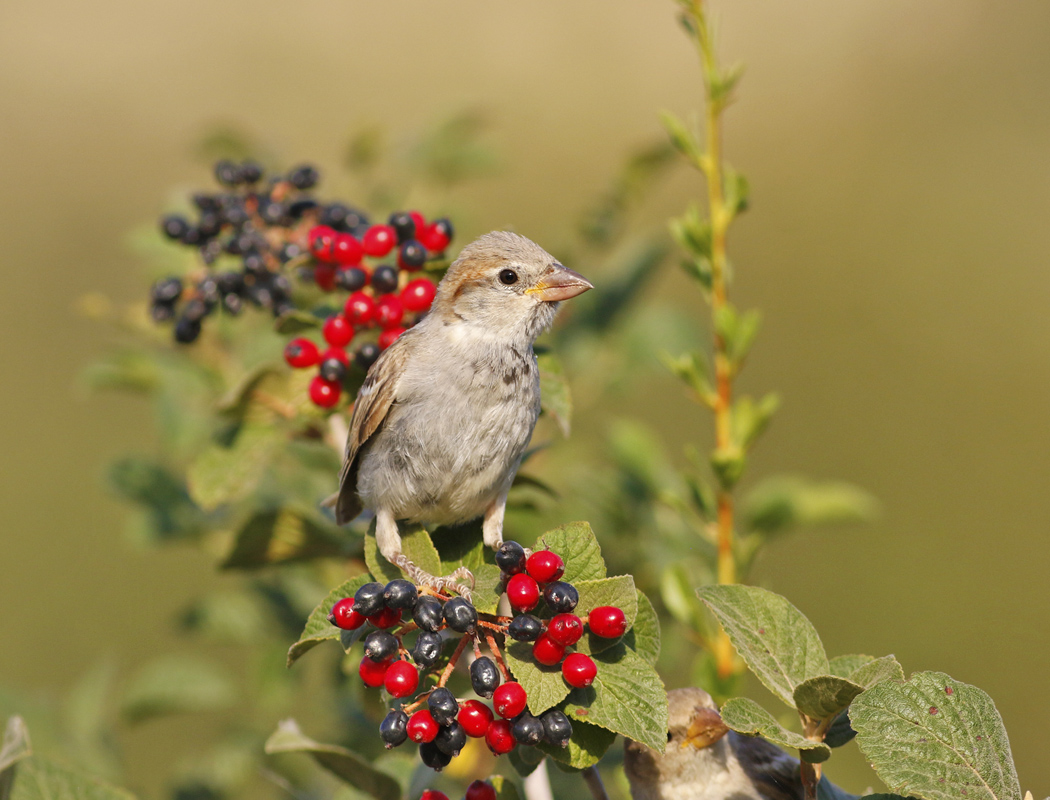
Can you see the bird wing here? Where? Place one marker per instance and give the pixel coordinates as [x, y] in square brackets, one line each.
[374, 400]
[773, 772]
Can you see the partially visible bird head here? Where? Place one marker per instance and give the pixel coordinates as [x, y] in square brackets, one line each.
[506, 284]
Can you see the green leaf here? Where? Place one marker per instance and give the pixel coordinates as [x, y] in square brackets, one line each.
[14, 748]
[318, 629]
[576, 544]
[281, 537]
[843, 666]
[525, 760]
[619, 592]
[555, 396]
[487, 582]
[728, 465]
[736, 189]
[415, 544]
[230, 474]
[693, 233]
[644, 636]
[780, 503]
[778, 643]
[124, 370]
[691, 368]
[39, 779]
[750, 419]
[296, 321]
[877, 670]
[627, 697]
[825, 696]
[505, 789]
[936, 738]
[237, 398]
[174, 685]
[722, 83]
[684, 141]
[343, 763]
[229, 616]
[162, 494]
[746, 716]
[544, 685]
[587, 745]
[679, 596]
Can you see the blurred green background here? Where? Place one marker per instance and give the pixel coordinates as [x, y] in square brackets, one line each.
[899, 155]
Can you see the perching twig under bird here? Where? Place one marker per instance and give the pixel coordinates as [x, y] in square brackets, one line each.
[443, 417]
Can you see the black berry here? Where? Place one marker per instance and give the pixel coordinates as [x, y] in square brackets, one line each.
[452, 739]
[366, 355]
[525, 628]
[174, 226]
[230, 282]
[332, 369]
[352, 280]
[511, 558]
[304, 177]
[195, 310]
[432, 757]
[460, 615]
[443, 706]
[227, 173]
[273, 212]
[380, 645]
[484, 677]
[527, 729]
[561, 597]
[411, 255]
[384, 279]
[399, 593]
[368, 600]
[392, 730]
[427, 649]
[404, 226]
[159, 312]
[427, 613]
[166, 291]
[251, 172]
[556, 728]
[187, 330]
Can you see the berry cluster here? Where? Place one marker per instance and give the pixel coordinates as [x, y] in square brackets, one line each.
[263, 241]
[436, 719]
[478, 790]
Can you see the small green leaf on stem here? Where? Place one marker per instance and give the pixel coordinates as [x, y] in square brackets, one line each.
[745, 716]
[780, 503]
[750, 419]
[737, 191]
[684, 141]
[825, 696]
[693, 233]
[936, 738]
[691, 368]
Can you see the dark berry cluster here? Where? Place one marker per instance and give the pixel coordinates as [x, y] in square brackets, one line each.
[262, 240]
[438, 721]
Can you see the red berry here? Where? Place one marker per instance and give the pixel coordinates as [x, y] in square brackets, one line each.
[346, 250]
[545, 566]
[422, 727]
[434, 238]
[387, 618]
[379, 240]
[324, 276]
[418, 294]
[343, 615]
[547, 651]
[509, 699]
[389, 311]
[338, 331]
[579, 670]
[324, 393]
[402, 679]
[360, 308]
[565, 629]
[523, 592]
[475, 717]
[419, 219]
[373, 672]
[499, 737]
[607, 622]
[321, 240]
[389, 336]
[480, 790]
[300, 353]
[338, 353]
[433, 794]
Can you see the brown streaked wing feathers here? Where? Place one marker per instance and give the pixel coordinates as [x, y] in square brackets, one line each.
[377, 394]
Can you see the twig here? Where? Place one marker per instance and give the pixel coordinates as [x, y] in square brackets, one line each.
[594, 783]
[494, 649]
[447, 673]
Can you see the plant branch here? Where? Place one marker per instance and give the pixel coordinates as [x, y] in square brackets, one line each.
[594, 783]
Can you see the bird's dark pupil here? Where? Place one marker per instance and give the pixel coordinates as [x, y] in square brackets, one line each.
[508, 276]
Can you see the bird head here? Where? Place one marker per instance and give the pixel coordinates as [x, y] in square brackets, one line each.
[506, 285]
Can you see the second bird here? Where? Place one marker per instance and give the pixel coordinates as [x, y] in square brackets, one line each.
[443, 417]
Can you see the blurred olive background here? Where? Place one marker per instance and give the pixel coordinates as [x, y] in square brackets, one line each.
[899, 155]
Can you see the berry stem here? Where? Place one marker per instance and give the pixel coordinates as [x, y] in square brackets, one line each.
[447, 672]
[490, 640]
[594, 782]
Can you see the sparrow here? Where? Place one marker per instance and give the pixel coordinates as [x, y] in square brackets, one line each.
[442, 419]
[704, 760]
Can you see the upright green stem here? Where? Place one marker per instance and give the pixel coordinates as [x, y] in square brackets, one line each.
[711, 165]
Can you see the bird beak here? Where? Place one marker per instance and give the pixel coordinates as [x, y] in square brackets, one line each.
[706, 728]
[559, 283]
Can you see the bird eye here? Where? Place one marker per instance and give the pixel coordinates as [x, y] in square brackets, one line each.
[508, 277]
[668, 736]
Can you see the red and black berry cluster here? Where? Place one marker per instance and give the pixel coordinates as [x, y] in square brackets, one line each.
[435, 719]
[262, 239]
[478, 790]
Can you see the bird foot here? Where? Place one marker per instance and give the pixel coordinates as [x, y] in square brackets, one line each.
[453, 581]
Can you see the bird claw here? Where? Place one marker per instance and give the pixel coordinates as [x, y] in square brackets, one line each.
[421, 577]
